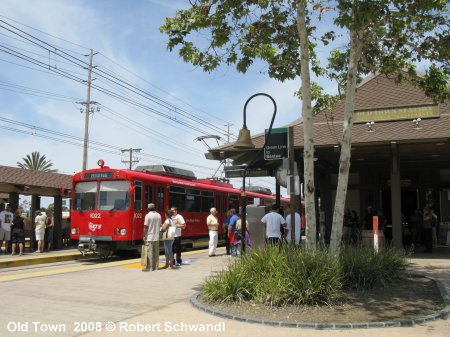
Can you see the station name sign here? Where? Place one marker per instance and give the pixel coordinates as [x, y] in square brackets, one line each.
[426, 111]
[237, 171]
[276, 145]
[98, 175]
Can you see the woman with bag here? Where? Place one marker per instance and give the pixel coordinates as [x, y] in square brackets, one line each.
[167, 235]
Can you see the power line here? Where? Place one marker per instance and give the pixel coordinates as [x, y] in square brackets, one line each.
[111, 77]
[149, 132]
[56, 37]
[96, 143]
[107, 76]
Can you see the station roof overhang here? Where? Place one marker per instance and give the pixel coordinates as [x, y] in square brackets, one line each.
[32, 182]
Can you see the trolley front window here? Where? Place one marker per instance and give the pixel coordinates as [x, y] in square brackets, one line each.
[85, 196]
[114, 195]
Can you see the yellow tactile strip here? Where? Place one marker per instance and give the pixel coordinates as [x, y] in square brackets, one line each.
[134, 263]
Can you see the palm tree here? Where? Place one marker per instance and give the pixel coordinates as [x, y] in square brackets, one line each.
[36, 162]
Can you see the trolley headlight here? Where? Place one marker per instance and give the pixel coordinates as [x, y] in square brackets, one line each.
[74, 231]
[123, 232]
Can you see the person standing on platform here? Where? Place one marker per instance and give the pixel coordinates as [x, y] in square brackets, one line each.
[298, 223]
[232, 228]
[6, 218]
[226, 223]
[168, 244]
[212, 221]
[180, 224]
[49, 230]
[152, 224]
[428, 229]
[18, 233]
[39, 229]
[274, 221]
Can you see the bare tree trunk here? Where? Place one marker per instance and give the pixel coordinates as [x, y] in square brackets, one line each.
[308, 152]
[344, 160]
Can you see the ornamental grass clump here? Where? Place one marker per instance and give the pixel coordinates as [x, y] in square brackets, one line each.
[278, 276]
[363, 268]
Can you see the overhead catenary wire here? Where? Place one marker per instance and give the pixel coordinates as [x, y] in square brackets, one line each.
[52, 49]
[104, 75]
[160, 89]
[96, 143]
[109, 59]
[149, 132]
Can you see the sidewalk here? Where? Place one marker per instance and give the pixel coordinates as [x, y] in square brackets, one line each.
[166, 313]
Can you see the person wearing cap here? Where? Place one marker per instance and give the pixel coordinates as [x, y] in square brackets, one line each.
[152, 224]
[39, 230]
[6, 218]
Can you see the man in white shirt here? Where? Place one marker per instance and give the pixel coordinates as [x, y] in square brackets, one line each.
[273, 221]
[179, 222]
[6, 218]
[298, 222]
[213, 225]
[152, 224]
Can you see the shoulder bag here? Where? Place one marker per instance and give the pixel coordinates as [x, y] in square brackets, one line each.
[169, 234]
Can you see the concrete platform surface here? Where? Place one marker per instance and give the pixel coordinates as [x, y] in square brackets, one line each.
[118, 299]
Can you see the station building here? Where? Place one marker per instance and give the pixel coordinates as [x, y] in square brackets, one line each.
[400, 160]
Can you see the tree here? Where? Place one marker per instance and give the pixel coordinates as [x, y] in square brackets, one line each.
[241, 31]
[36, 162]
[388, 37]
[384, 36]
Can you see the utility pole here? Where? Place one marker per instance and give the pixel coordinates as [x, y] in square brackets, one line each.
[131, 161]
[88, 111]
[228, 132]
[227, 162]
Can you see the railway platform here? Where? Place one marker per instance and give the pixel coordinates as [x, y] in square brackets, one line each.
[28, 258]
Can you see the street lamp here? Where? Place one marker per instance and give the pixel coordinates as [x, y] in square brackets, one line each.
[245, 142]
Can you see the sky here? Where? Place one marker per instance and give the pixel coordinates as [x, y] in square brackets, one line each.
[40, 109]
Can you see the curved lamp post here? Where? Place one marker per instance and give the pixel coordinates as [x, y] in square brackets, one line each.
[245, 142]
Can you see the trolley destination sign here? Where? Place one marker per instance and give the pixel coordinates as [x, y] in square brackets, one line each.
[98, 175]
[237, 171]
[276, 147]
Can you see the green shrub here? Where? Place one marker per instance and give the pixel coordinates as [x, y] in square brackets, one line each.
[291, 275]
[278, 276]
[363, 268]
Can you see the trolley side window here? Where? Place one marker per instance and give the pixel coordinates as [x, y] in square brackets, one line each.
[221, 203]
[234, 201]
[207, 201]
[160, 206]
[193, 200]
[114, 195]
[177, 197]
[85, 196]
[149, 194]
[138, 195]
